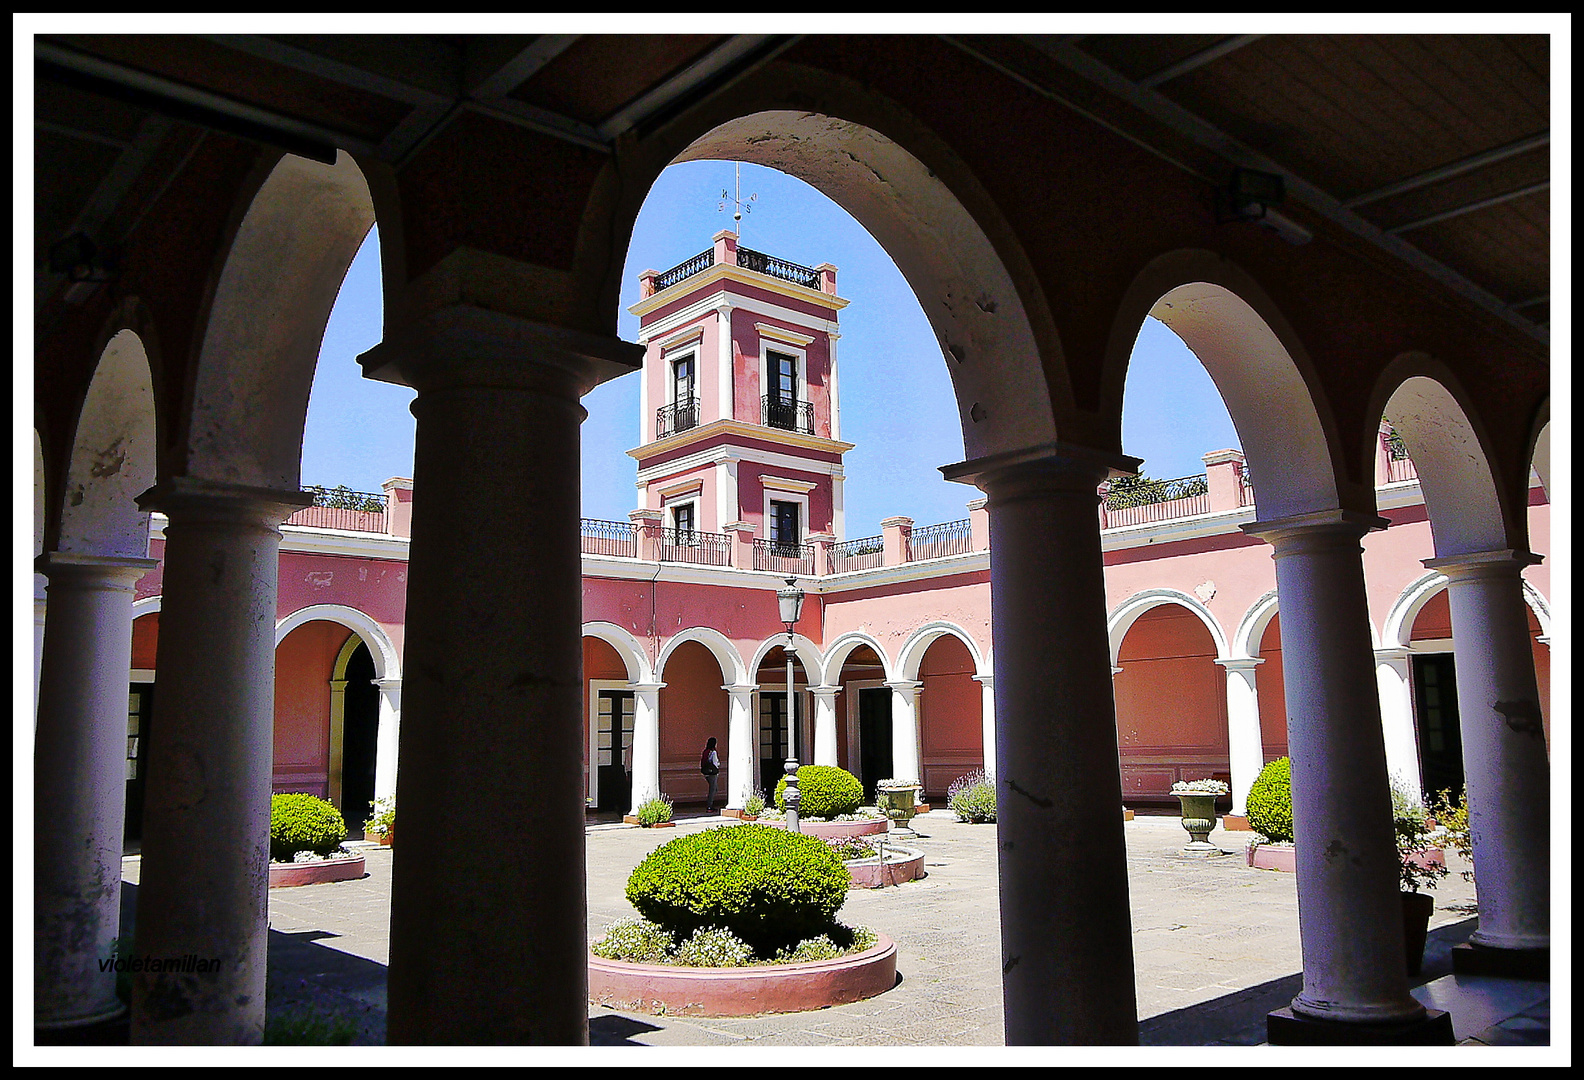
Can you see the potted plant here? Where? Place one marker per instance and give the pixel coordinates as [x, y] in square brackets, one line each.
[754, 806]
[1419, 863]
[898, 799]
[1197, 798]
[381, 828]
[655, 813]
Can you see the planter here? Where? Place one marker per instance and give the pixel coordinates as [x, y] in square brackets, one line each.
[1198, 819]
[633, 820]
[1417, 909]
[1273, 857]
[383, 839]
[288, 875]
[747, 991]
[901, 864]
[835, 830]
[899, 804]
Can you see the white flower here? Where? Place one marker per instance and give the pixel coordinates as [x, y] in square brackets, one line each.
[1200, 787]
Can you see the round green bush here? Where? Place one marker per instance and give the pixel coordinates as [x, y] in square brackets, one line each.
[827, 791]
[1270, 801]
[304, 823]
[769, 887]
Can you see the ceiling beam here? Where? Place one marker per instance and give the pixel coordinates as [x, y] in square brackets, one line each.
[486, 78]
[736, 56]
[1469, 208]
[323, 67]
[1455, 168]
[1198, 60]
[69, 132]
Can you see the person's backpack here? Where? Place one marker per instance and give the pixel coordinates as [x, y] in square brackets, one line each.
[705, 766]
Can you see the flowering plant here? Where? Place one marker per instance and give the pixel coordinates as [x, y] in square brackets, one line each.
[893, 785]
[1200, 787]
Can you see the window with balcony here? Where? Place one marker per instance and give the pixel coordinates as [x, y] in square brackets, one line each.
[781, 406]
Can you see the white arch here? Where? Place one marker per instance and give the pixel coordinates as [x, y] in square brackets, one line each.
[387, 664]
[912, 654]
[1398, 629]
[112, 456]
[719, 644]
[1128, 612]
[627, 647]
[1246, 639]
[149, 605]
[808, 655]
[843, 647]
[1540, 606]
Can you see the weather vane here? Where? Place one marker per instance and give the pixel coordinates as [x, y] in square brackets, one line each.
[741, 207]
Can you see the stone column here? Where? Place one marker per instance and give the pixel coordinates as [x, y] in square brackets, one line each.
[1349, 915]
[740, 746]
[488, 942]
[904, 729]
[987, 719]
[825, 724]
[1393, 682]
[1246, 748]
[1066, 933]
[646, 743]
[79, 785]
[1504, 757]
[387, 739]
[204, 885]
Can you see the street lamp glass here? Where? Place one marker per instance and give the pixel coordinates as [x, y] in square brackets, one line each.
[791, 601]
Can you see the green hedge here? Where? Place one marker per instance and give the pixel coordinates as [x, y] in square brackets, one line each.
[304, 823]
[827, 791]
[769, 887]
[1270, 801]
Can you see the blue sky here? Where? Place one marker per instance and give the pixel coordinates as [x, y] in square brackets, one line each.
[896, 398]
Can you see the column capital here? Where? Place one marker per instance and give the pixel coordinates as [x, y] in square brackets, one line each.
[191, 498]
[462, 346]
[388, 686]
[1325, 528]
[647, 687]
[114, 570]
[988, 680]
[1241, 663]
[1054, 467]
[904, 685]
[742, 691]
[1507, 562]
[1393, 654]
[824, 691]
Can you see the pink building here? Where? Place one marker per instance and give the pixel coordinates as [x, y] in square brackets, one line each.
[740, 486]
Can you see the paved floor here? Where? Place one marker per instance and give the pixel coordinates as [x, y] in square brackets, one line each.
[1215, 948]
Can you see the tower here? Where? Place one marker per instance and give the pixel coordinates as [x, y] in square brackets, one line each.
[740, 427]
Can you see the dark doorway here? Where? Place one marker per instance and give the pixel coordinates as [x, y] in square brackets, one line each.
[614, 754]
[777, 739]
[1436, 714]
[874, 738]
[140, 711]
[359, 739]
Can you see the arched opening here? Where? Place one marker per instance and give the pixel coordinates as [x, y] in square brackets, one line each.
[783, 721]
[1272, 694]
[693, 709]
[951, 728]
[1171, 705]
[608, 704]
[863, 707]
[354, 747]
[306, 660]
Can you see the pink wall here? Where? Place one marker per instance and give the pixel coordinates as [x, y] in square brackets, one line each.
[145, 640]
[951, 731]
[375, 587]
[892, 614]
[692, 708]
[303, 664]
[1170, 704]
[750, 495]
[1270, 690]
[599, 662]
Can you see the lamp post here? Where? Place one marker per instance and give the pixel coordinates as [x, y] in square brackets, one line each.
[791, 602]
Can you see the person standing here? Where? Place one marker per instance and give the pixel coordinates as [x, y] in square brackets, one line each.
[709, 765]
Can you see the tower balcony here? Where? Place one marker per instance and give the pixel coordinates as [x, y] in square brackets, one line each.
[680, 416]
[788, 414]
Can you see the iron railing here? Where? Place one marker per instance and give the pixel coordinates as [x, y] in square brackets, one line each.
[342, 508]
[865, 554]
[938, 541]
[759, 262]
[783, 558]
[692, 546]
[609, 538]
[788, 414]
[696, 265]
[1140, 502]
[681, 416]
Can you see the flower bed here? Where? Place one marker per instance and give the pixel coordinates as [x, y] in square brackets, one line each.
[901, 864]
[283, 875]
[743, 991]
[1285, 857]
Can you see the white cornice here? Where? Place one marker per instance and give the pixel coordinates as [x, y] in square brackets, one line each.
[778, 483]
[741, 430]
[716, 455]
[708, 305]
[777, 333]
[722, 272]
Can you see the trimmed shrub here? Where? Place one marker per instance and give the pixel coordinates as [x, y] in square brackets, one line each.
[972, 797]
[769, 887]
[827, 791]
[304, 823]
[1270, 801]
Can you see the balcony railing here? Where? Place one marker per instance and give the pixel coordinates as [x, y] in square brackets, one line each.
[342, 508]
[696, 265]
[691, 546]
[1141, 502]
[609, 538]
[671, 419]
[783, 558]
[788, 414]
[761, 263]
[1399, 469]
[939, 541]
[865, 554]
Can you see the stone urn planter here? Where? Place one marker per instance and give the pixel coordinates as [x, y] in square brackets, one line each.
[742, 991]
[1198, 819]
[283, 875]
[1417, 909]
[900, 804]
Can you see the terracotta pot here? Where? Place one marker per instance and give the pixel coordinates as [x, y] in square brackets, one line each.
[1417, 909]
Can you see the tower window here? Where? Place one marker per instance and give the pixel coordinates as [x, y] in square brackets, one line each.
[785, 523]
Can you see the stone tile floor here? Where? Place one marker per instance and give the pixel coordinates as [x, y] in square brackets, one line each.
[1215, 948]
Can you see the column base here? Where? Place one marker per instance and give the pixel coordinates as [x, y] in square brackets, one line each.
[1285, 1028]
[1471, 959]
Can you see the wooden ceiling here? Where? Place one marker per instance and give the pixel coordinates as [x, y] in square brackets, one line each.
[1434, 148]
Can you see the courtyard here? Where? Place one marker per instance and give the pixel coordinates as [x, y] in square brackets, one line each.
[1215, 946]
